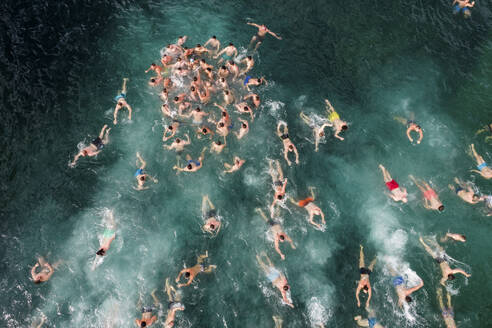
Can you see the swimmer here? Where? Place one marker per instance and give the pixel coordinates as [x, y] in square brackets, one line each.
[278, 321]
[371, 320]
[147, 318]
[168, 83]
[164, 95]
[465, 192]
[182, 107]
[214, 44]
[454, 236]
[140, 175]
[204, 66]
[108, 236]
[255, 98]
[279, 184]
[411, 126]
[192, 165]
[396, 192]
[311, 209]
[224, 115]
[204, 130]
[463, 6]
[121, 103]
[440, 256]
[485, 129]
[179, 98]
[166, 60]
[223, 72]
[364, 284]
[173, 305]
[170, 131]
[249, 62]
[221, 127]
[179, 144]
[260, 35]
[155, 68]
[187, 52]
[181, 40]
[222, 83]
[212, 224]
[277, 233]
[447, 313]
[431, 199]
[228, 53]
[95, 147]
[190, 273]
[276, 277]
[484, 170]
[234, 167]
[243, 108]
[181, 71]
[155, 81]
[243, 130]
[41, 322]
[248, 80]
[337, 124]
[288, 145]
[166, 111]
[218, 146]
[197, 114]
[210, 73]
[403, 292]
[228, 97]
[194, 93]
[318, 131]
[200, 50]
[233, 68]
[204, 97]
[46, 270]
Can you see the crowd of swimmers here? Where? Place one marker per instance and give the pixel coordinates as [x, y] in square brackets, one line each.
[210, 72]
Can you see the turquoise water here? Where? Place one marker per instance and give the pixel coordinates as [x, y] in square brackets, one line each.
[62, 69]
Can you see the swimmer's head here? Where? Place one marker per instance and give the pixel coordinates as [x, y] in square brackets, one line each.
[223, 68]
[37, 281]
[464, 237]
[244, 126]
[189, 167]
[246, 108]
[257, 97]
[214, 37]
[101, 252]
[195, 79]
[344, 127]
[475, 197]
[187, 274]
[291, 147]
[226, 92]
[222, 79]
[84, 152]
[221, 124]
[152, 80]
[408, 299]
[230, 44]
[259, 80]
[152, 65]
[212, 226]
[286, 287]
[365, 288]
[143, 324]
[249, 57]
[120, 104]
[142, 178]
[441, 208]
[170, 127]
[224, 114]
[232, 63]
[282, 238]
[218, 142]
[279, 197]
[198, 45]
[203, 61]
[197, 109]
[209, 69]
[164, 90]
[451, 276]
[178, 140]
[193, 89]
[321, 134]
[176, 98]
[204, 130]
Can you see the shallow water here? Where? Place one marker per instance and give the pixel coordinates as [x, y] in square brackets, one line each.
[61, 69]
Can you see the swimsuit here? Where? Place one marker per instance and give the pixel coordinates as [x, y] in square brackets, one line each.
[304, 202]
[174, 305]
[457, 9]
[246, 80]
[284, 136]
[98, 143]
[273, 274]
[259, 37]
[211, 214]
[398, 281]
[392, 185]
[440, 259]
[448, 313]
[372, 322]
[333, 116]
[458, 189]
[365, 271]
[197, 163]
[481, 166]
[147, 309]
[231, 126]
[429, 194]
[121, 95]
[108, 233]
[139, 172]
[278, 183]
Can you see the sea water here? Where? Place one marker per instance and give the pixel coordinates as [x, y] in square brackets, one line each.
[62, 65]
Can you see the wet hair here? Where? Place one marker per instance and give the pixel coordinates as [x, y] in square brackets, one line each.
[286, 287]
[187, 274]
[152, 64]
[197, 109]
[451, 276]
[223, 67]
[203, 61]
[178, 140]
[185, 48]
[212, 226]
[280, 197]
[85, 152]
[230, 43]
[408, 299]
[170, 127]
[209, 69]
[291, 147]
[259, 80]
[224, 114]
[152, 80]
[441, 208]
[37, 281]
[244, 126]
[176, 98]
[179, 68]
[365, 288]
[222, 79]
[344, 127]
[464, 237]
[179, 37]
[475, 197]
[204, 130]
[246, 108]
[143, 324]
[120, 104]
[218, 142]
[142, 178]
[214, 37]
[164, 90]
[257, 97]
[221, 124]
[321, 134]
[282, 237]
[249, 57]
[101, 252]
[198, 45]
[226, 92]
[192, 88]
[195, 78]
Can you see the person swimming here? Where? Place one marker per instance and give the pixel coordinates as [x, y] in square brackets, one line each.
[95, 147]
[371, 321]
[121, 103]
[140, 174]
[318, 130]
[238, 162]
[465, 192]
[45, 272]
[337, 124]
[192, 165]
[403, 292]
[364, 284]
[260, 35]
[463, 6]
[431, 199]
[209, 214]
[396, 192]
[311, 208]
[411, 127]
[483, 169]
[276, 277]
[190, 273]
[277, 233]
[279, 184]
[447, 313]
[283, 133]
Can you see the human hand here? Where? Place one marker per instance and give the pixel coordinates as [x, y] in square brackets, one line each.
[115, 122]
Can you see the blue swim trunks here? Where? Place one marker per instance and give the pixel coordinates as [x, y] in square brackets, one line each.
[457, 9]
[372, 322]
[398, 281]
[121, 95]
[246, 80]
[138, 172]
[197, 163]
[482, 166]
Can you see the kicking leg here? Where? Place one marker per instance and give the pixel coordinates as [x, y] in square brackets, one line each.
[361, 257]
[373, 263]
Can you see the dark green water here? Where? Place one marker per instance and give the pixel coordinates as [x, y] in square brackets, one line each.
[62, 64]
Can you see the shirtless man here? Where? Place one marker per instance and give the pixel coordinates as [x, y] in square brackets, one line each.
[197, 114]
[205, 131]
[248, 81]
[276, 277]
[277, 233]
[482, 167]
[260, 35]
[396, 192]
[228, 97]
[249, 62]
[95, 147]
[465, 192]
[218, 146]
[311, 209]
[440, 256]
[223, 72]
[235, 166]
[463, 6]
[214, 44]
[179, 144]
[190, 273]
[255, 98]
[447, 313]
[45, 273]
[108, 236]
[288, 145]
[173, 306]
[279, 184]
[318, 131]
[243, 108]
[454, 236]
[371, 320]
[403, 292]
[205, 96]
[170, 131]
[140, 175]
[147, 318]
[156, 68]
[222, 83]
[192, 165]
[233, 68]
[411, 126]
[228, 53]
[155, 81]
[212, 224]
[431, 199]
[364, 283]
[243, 130]
[337, 124]
[200, 50]
[121, 103]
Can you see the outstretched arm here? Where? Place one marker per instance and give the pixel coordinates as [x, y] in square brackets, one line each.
[253, 24]
[277, 248]
[411, 290]
[142, 162]
[357, 291]
[33, 270]
[461, 272]
[426, 247]
[275, 35]
[408, 135]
